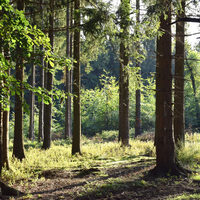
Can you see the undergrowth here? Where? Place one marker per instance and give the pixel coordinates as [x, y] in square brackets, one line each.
[189, 156]
[96, 152]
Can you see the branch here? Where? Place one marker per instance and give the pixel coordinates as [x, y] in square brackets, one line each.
[187, 19]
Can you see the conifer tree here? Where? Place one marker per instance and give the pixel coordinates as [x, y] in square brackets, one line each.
[68, 130]
[179, 120]
[49, 84]
[18, 143]
[124, 76]
[138, 92]
[76, 134]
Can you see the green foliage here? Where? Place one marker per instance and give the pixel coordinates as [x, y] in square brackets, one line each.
[17, 33]
[193, 62]
[100, 107]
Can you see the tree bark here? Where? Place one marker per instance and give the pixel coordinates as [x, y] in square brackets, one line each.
[5, 151]
[138, 92]
[5, 141]
[179, 118]
[49, 86]
[32, 104]
[41, 109]
[164, 141]
[18, 143]
[41, 106]
[76, 134]
[124, 76]
[68, 131]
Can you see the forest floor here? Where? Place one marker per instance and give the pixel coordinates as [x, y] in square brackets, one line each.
[127, 179]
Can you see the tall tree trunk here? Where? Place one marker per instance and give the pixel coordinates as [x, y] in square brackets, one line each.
[41, 109]
[76, 134]
[32, 104]
[5, 141]
[179, 119]
[138, 92]
[71, 47]
[41, 106]
[124, 76]
[165, 146]
[68, 131]
[18, 143]
[5, 147]
[49, 86]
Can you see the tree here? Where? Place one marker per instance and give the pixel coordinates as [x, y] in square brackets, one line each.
[76, 134]
[124, 12]
[179, 120]
[68, 130]
[6, 112]
[49, 84]
[138, 92]
[166, 161]
[32, 104]
[41, 106]
[18, 144]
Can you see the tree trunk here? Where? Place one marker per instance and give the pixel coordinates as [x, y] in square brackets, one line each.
[41, 106]
[165, 147]
[5, 142]
[76, 135]
[124, 77]
[18, 143]
[41, 109]
[68, 131]
[179, 119]
[138, 92]
[49, 85]
[5, 147]
[32, 104]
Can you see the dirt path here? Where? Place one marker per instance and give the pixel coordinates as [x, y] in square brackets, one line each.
[117, 180]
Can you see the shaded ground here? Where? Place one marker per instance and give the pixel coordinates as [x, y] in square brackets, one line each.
[115, 180]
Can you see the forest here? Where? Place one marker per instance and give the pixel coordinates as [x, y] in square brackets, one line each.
[99, 99]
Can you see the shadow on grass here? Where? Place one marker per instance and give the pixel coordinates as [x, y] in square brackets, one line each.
[142, 187]
[124, 181]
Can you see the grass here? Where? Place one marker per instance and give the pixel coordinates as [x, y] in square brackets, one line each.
[97, 152]
[59, 157]
[186, 197]
[190, 154]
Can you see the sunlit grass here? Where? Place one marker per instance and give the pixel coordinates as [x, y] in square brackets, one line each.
[186, 197]
[96, 152]
[59, 157]
[190, 154]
